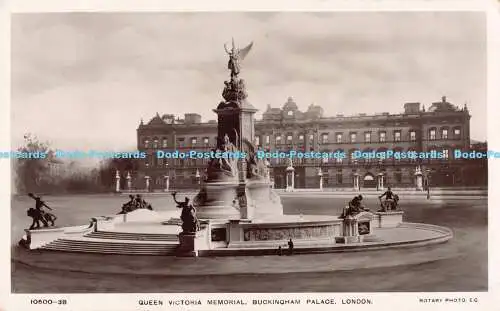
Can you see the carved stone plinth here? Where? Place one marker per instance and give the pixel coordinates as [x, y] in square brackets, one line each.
[355, 227]
[187, 246]
[388, 219]
[219, 201]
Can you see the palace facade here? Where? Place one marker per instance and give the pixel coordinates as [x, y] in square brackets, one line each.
[443, 127]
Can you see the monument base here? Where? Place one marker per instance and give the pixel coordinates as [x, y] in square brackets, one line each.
[389, 219]
[264, 201]
[218, 200]
[349, 239]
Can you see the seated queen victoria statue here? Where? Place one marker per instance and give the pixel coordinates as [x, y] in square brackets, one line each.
[223, 167]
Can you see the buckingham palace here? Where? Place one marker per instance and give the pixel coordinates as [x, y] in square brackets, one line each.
[440, 128]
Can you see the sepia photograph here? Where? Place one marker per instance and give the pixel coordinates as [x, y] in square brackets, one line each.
[249, 152]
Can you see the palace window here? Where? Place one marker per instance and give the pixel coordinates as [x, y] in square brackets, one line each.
[444, 133]
[146, 143]
[339, 138]
[278, 140]
[205, 140]
[432, 134]
[268, 139]
[353, 137]
[324, 138]
[456, 132]
[397, 135]
[164, 143]
[368, 137]
[155, 143]
[301, 137]
[311, 137]
[289, 139]
[382, 137]
[413, 136]
[257, 140]
[290, 113]
[194, 141]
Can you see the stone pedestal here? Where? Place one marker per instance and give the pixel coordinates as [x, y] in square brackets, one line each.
[388, 219]
[129, 181]
[117, 184]
[187, 246]
[354, 228]
[219, 200]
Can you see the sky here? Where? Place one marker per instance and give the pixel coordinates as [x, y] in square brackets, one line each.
[85, 80]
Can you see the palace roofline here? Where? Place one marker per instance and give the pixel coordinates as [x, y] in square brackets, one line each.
[313, 114]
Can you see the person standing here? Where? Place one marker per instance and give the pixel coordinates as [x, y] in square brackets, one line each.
[290, 247]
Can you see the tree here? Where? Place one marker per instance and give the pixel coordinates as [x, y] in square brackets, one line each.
[31, 165]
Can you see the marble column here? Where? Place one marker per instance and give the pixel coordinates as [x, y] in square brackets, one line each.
[117, 185]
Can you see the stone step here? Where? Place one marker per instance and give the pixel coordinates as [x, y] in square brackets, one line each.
[111, 247]
[170, 252]
[115, 243]
[132, 236]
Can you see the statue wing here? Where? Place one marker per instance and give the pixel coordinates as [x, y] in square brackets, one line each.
[243, 52]
[250, 146]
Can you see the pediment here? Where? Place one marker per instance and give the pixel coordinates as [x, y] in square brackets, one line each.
[156, 121]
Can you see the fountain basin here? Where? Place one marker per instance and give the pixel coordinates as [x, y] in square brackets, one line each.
[144, 232]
